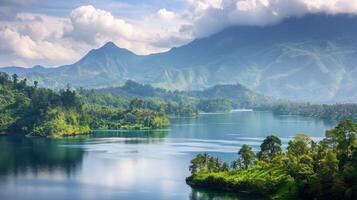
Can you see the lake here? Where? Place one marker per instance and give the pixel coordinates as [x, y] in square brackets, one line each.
[148, 165]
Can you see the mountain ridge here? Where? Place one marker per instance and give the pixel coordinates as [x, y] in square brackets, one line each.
[295, 59]
[239, 95]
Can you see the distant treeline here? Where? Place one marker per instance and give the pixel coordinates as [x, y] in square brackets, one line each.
[307, 170]
[224, 98]
[220, 98]
[333, 112]
[168, 106]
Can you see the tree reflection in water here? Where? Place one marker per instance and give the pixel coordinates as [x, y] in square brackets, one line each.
[197, 194]
[19, 155]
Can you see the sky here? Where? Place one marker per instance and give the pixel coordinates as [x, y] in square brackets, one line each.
[54, 33]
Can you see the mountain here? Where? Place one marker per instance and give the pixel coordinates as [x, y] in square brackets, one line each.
[239, 95]
[137, 90]
[310, 58]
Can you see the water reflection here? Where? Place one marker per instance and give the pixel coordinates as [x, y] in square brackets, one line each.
[20, 155]
[130, 133]
[216, 195]
[145, 165]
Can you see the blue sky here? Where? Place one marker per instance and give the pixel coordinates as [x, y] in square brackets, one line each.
[123, 8]
[57, 32]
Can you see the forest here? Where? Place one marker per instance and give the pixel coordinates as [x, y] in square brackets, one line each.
[306, 170]
[330, 112]
[219, 98]
[32, 111]
[180, 107]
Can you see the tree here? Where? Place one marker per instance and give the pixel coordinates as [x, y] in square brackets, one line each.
[247, 155]
[15, 78]
[205, 158]
[213, 165]
[196, 164]
[35, 83]
[135, 104]
[343, 138]
[200, 162]
[225, 167]
[300, 145]
[270, 147]
[4, 78]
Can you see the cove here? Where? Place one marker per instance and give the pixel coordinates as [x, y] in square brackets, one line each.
[137, 164]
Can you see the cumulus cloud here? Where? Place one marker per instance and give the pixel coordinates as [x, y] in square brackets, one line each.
[34, 38]
[96, 26]
[210, 16]
[26, 47]
[91, 24]
[40, 39]
[165, 14]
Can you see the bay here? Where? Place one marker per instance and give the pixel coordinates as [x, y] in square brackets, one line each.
[147, 165]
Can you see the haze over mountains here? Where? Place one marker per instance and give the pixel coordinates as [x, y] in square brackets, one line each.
[240, 96]
[312, 58]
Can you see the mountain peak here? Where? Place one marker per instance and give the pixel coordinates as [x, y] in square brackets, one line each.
[112, 48]
[109, 44]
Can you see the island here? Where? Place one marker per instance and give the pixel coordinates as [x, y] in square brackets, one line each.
[307, 170]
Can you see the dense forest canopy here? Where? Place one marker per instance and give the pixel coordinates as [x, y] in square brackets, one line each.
[43, 112]
[306, 170]
[170, 107]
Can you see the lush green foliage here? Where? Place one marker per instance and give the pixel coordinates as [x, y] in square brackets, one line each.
[307, 170]
[220, 98]
[335, 112]
[42, 112]
[97, 98]
[215, 105]
[109, 118]
[269, 148]
[163, 102]
[39, 112]
[247, 156]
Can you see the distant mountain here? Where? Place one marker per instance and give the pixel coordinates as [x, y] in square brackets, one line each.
[239, 95]
[135, 89]
[22, 70]
[311, 58]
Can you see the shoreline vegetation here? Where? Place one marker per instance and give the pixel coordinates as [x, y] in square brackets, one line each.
[32, 111]
[29, 110]
[219, 99]
[330, 112]
[307, 170]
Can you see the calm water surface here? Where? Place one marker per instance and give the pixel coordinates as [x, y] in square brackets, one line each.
[137, 164]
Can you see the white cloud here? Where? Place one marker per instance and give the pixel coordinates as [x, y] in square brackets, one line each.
[165, 14]
[96, 26]
[332, 6]
[39, 39]
[24, 46]
[210, 16]
[42, 27]
[33, 38]
[92, 24]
